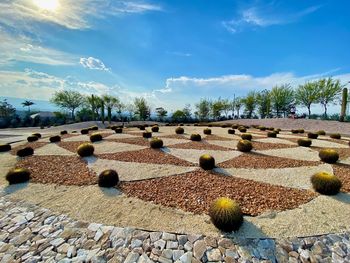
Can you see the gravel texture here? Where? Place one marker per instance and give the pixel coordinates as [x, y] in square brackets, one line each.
[261, 146]
[343, 172]
[34, 145]
[136, 140]
[275, 140]
[214, 137]
[52, 149]
[78, 138]
[297, 153]
[146, 156]
[261, 161]
[195, 191]
[199, 146]
[65, 170]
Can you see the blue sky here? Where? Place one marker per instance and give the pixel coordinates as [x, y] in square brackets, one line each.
[171, 52]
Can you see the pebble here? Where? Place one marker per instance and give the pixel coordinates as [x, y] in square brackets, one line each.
[29, 233]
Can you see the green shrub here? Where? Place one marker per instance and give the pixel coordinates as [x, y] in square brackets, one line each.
[335, 136]
[147, 134]
[18, 175]
[226, 214]
[155, 129]
[246, 136]
[5, 147]
[85, 149]
[272, 134]
[55, 138]
[321, 132]
[304, 142]
[328, 155]
[37, 135]
[231, 131]
[108, 178]
[179, 130]
[242, 129]
[195, 137]
[118, 130]
[84, 131]
[25, 152]
[95, 137]
[312, 135]
[64, 132]
[207, 131]
[32, 138]
[325, 183]
[207, 162]
[278, 129]
[244, 145]
[156, 143]
[234, 126]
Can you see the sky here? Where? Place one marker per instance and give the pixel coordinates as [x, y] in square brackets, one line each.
[170, 52]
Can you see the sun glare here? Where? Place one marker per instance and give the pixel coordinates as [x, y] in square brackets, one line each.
[50, 5]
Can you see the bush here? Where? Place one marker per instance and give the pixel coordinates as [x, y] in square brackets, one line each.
[207, 162]
[85, 149]
[25, 152]
[18, 175]
[234, 126]
[244, 146]
[328, 156]
[207, 131]
[304, 142]
[335, 136]
[156, 143]
[226, 214]
[108, 178]
[312, 135]
[55, 138]
[147, 134]
[93, 128]
[5, 147]
[64, 132]
[179, 130]
[242, 129]
[32, 138]
[325, 183]
[247, 136]
[321, 132]
[195, 137]
[95, 137]
[118, 130]
[272, 134]
[231, 131]
[37, 135]
[155, 129]
[84, 131]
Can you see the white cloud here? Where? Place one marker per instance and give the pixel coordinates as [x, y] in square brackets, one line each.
[93, 63]
[264, 16]
[72, 14]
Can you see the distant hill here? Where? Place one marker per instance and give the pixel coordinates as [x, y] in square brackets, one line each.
[40, 105]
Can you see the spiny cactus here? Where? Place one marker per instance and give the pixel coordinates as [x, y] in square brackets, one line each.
[118, 130]
[207, 162]
[242, 129]
[328, 155]
[32, 138]
[95, 137]
[247, 136]
[5, 147]
[18, 175]
[147, 134]
[84, 131]
[37, 134]
[155, 128]
[326, 183]
[321, 132]
[304, 142]
[179, 130]
[85, 149]
[108, 178]
[55, 138]
[226, 214]
[312, 135]
[207, 131]
[195, 137]
[25, 152]
[156, 143]
[244, 146]
[335, 136]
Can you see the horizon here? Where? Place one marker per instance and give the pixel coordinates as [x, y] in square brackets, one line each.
[170, 52]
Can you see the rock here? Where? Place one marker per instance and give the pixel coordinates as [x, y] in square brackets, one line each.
[214, 255]
[136, 243]
[72, 251]
[188, 246]
[177, 254]
[232, 253]
[225, 243]
[172, 244]
[211, 242]
[94, 227]
[154, 236]
[140, 234]
[167, 236]
[132, 257]
[167, 253]
[98, 235]
[199, 249]
[182, 239]
[164, 260]
[63, 249]
[193, 238]
[144, 259]
[160, 244]
[186, 258]
[57, 242]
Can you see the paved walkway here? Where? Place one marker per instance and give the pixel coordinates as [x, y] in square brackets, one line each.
[29, 233]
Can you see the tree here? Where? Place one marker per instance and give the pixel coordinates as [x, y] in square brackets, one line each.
[178, 116]
[329, 92]
[161, 113]
[226, 107]
[236, 105]
[282, 98]
[216, 108]
[67, 99]
[264, 103]
[27, 103]
[187, 112]
[92, 101]
[131, 110]
[249, 103]
[120, 107]
[203, 109]
[6, 109]
[307, 94]
[110, 102]
[142, 108]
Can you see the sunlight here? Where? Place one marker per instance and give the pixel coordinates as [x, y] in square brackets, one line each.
[50, 5]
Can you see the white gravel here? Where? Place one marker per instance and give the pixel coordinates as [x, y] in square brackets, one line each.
[169, 141]
[327, 144]
[228, 144]
[275, 140]
[52, 149]
[78, 138]
[297, 153]
[114, 147]
[119, 136]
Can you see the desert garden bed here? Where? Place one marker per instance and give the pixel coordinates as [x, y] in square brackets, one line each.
[261, 146]
[137, 141]
[199, 146]
[261, 161]
[195, 191]
[218, 138]
[34, 145]
[342, 171]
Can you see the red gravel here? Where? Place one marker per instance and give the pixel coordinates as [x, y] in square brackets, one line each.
[261, 146]
[137, 141]
[199, 146]
[261, 161]
[34, 145]
[217, 138]
[63, 170]
[70, 146]
[174, 136]
[195, 191]
[343, 173]
[146, 156]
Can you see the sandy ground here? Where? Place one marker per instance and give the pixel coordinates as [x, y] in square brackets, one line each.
[297, 153]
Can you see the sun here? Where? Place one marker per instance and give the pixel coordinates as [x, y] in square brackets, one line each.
[49, 5]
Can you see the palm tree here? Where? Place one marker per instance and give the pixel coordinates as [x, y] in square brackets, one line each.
[110, 102]
[27, 103]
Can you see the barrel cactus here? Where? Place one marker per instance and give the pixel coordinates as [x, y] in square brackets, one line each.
[118, 130]
[37, 134]
[326, 183]
[156, 143]
[27, 151]
[272, 134]
[108, 178]
[95, 137]
[207, 131]
[304, 142]
[147, 134]
[18, 175]
[312, 135]
[244, 146]
[328, 155]
[32, 138]
[207, 162]
[63, 132]
[195, 137]
[84, 131]
[85, 149]
[5, 147]
[155, 128]
[55, 138]
[231, 131]
[179, 130]
[247, 136]
[335, 136]
[321, 132]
